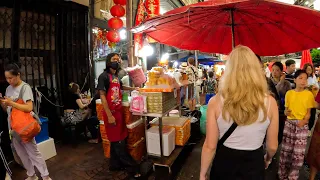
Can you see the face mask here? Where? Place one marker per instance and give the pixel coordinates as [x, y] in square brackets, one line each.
[114, 65]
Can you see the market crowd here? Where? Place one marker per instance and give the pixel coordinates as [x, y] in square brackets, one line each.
[249, 117]
[253, 115]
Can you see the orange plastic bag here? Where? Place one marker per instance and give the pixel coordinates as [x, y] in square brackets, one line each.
[23, 124]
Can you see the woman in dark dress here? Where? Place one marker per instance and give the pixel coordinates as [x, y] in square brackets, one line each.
[313, 157]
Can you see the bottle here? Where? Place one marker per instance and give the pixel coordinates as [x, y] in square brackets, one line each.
[89, 95]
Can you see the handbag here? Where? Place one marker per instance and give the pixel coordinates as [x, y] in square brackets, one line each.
[24, 125]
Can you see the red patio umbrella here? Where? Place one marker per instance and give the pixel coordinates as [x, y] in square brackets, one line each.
[306, 58]
[268, 27]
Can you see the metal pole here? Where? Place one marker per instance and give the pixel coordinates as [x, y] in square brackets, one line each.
[90, 48]
[232, 28]
[161, 137]
[129, 22]
[196, 58]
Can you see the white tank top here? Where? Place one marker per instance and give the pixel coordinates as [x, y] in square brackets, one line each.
[248, 137]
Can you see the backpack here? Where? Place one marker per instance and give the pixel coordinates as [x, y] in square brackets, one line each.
[25, 125]
[211, 83]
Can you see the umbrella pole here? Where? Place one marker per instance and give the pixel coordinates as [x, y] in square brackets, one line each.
[232, 28]
[196, 57]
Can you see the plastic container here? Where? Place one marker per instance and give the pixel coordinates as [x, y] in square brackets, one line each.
[47, 149]
[99, 108]
[203, 119]
[174, 113]
[182, 127]
[44, 133]
[127, 115]
[125, 96]
[106, 148]
[153, 140]
[103, 131]
[136, 131]
[137, 150]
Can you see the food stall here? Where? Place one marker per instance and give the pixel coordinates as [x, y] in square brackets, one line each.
[159, 99]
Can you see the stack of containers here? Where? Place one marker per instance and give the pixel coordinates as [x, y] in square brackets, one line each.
[182, 127]
[105, 141]
[136, 133]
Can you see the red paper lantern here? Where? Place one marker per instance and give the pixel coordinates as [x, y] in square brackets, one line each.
[117, 11]
[121, 2]
[115, 23]
[113, 36]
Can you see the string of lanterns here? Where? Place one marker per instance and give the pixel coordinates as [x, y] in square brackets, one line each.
[115, 23]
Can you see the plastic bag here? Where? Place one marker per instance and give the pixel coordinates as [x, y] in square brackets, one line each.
[203, 119]
[138, 103]
[137, 76]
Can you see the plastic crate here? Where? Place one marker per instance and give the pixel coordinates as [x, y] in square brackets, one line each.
[44, 133]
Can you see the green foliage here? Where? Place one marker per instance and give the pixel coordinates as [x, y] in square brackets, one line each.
[315, 54]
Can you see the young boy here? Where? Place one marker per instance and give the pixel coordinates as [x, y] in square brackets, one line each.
[211, 85]
[298, 104]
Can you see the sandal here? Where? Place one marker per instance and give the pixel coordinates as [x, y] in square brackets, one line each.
[93, 141]
[137, 176]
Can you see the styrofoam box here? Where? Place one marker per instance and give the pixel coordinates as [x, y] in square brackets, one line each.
[47, 149]
[153, 140]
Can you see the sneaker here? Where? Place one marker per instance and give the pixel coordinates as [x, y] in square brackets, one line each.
[34, 177]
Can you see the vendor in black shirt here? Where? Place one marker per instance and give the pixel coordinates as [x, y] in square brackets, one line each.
[291, 68]
[110, 86]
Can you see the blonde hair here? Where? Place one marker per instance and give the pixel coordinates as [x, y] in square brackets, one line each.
[243, 87]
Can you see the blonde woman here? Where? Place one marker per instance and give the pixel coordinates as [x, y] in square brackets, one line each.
[239, 118]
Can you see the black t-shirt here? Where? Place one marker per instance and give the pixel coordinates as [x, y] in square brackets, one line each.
[71, 101]
[290, 78]
[104, 82]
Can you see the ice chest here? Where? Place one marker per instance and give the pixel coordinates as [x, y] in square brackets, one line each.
[153, 141]
[106, 148]
[103, 131]
[44, 133]
[137, 150]
[99, 108]
[47, 149]
[136, 132]
[182, 126]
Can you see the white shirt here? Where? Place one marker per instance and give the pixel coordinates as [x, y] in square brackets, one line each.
[249, 137]
[312, 80]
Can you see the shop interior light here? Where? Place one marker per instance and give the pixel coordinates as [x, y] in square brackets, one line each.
[162, 11]
[175, 64]
[95, 31]
[316, 5]
[123, 34]
[165, 56]
[146, 50]
[287, 1]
